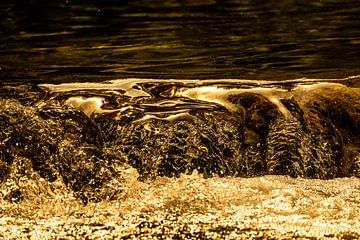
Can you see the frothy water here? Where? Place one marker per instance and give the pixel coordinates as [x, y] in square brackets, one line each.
[193, 207]
[142, 158]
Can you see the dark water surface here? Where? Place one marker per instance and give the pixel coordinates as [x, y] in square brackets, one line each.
[66, 40]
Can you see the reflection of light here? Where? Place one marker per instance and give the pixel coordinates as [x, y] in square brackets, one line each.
[221, 95]
[88, 105]
[200, 90]
[171, 118]
[308, 87]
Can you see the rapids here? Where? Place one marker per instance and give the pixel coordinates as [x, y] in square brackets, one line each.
[149, 158]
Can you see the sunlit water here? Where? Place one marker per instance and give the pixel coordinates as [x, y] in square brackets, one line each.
[190, 205]
[43, 44]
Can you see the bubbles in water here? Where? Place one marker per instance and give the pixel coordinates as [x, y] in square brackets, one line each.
[168, 159]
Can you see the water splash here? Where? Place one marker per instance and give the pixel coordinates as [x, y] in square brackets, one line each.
[167, 158]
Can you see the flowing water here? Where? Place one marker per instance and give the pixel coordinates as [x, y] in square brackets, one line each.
[65, 41]
[179, 119]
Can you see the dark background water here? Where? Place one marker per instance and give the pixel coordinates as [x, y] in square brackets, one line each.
[68, 40]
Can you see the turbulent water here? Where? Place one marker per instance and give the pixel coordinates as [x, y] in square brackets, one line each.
[131, 119]
[139, 158]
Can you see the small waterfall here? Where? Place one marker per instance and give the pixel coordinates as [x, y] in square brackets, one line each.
[85, 134]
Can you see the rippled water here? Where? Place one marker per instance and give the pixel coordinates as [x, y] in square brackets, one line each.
[66, 41]
[298, 48]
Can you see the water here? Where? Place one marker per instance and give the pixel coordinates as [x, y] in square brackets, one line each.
[140, 158]
[66, 41]
[179, 119]
[193, 207]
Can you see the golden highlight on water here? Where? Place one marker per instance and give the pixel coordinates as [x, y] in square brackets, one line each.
[181, 159]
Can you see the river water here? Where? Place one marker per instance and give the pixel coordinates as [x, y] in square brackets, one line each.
[171, 119]
[66, 41]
